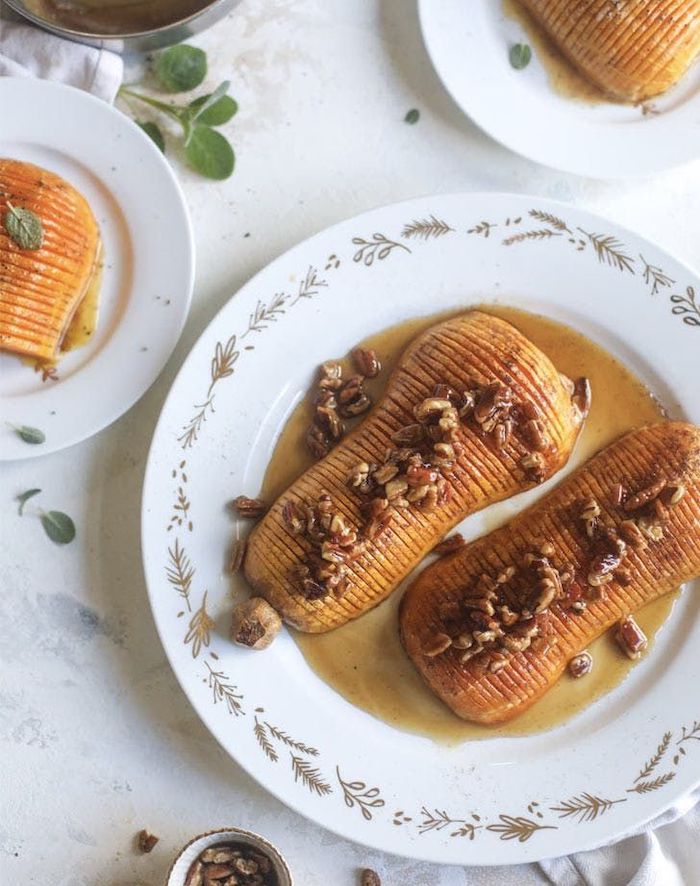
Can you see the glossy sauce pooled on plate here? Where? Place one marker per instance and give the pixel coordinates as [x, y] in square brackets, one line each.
[364, 660]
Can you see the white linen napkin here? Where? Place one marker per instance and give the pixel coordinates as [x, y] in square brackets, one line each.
[665, 853]
[26, 51]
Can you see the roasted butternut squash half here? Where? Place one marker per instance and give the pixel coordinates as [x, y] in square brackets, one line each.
[631, 49]
[493, 626]
[472, 414]
[40, 288]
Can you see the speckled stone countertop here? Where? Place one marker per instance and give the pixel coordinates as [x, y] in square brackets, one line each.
[97, 738]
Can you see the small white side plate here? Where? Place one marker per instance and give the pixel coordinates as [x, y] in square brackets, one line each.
[148, 263]
[468, 43]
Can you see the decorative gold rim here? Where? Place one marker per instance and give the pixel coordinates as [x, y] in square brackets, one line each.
[305, 762]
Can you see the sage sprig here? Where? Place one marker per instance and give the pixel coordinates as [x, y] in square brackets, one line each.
[58, 526]
[520, 55]
[24, 497]
[180, 69]
[24, 227]
[30, 435]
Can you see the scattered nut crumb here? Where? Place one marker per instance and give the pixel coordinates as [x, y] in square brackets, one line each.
[369, 877]
[146, 840]
[448, 545]
[238, 551]
[251, 508]
[580, 665]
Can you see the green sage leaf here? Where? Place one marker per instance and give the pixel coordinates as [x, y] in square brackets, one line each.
[209, 152]
[153, 131]
[24, 497]
[181, 68]
[31, 435]
[520, 55]
[58, 526]
[413, 116]
[24, 227]
[220, 111]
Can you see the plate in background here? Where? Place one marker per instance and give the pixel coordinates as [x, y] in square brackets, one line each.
[329, 760]
[469, 42]
[148, 263]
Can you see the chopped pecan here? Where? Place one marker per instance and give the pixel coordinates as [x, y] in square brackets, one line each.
[450, 544]
[632, 534]
[535, 434]
[650, 528]
[644, 496]
[534, 464]
[410, 435]
[317, 441]
[231, 864]
[580, 665]
[617, 494]
[370, 878]
[366, 362]
[250, 508]
[255, 623]
[630, 637]
[581, 398]
[146, 840]
[673, 493]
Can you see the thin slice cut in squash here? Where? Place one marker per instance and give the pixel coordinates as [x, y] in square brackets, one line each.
[40, 289]
[334, 544]
[631, 49]
[493, 626]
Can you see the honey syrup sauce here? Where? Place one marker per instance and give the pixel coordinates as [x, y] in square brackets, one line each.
[364, 660]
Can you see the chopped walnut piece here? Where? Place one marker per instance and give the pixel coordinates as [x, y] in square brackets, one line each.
[317, 441]
[439, 643]
[250, 508]
[368, 877]
[450, 544]
[590, 512]
[580, 665]
[366, 362]
[146, 840]
[630, 637]
[644, 496]
[533, 463]
[254, 623]
[231, 864]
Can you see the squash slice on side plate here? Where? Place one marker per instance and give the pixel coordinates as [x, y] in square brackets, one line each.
[472, 414]
[631, 49]
[493, 626]
[40, 289]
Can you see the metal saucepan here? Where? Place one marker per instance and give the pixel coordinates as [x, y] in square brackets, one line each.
[182, 25]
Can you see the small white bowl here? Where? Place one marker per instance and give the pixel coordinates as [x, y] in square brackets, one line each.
[181, 865]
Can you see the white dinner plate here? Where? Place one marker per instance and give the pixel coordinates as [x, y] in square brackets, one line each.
[469, 42]
[148, 263]
[493, 801]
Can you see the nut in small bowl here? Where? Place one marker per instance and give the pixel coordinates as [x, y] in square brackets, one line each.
[252, 859]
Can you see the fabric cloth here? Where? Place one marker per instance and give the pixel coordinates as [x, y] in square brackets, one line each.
[660, 855]
[26, 51]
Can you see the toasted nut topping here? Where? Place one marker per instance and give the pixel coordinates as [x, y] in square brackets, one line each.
[431, 406]
[238, 551]
[251, 508]
[644, 496]
[617, 494]
[580, 665]
[497, 663]
[317, 441]
[623, 577]
[366, 362]
[410, 435]
[581, 398]
[463, 641]
[596, 579]
[505, 576]
[630, 637]
[535, 434]
[255, 623]
[386, 473]
[146, 840]
[437, 645]
[650, 529]
[359, 474]
[370, 878]
[547, 549]
[579, 606]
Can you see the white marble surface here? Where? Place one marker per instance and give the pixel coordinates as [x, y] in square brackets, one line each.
[97, 738]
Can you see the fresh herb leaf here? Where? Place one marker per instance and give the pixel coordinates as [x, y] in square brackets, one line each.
[181, 68]
[209, 152]
[58, 526]
[153, 131]
[520, 55]
[213, 113]
[30, 435]
[413, 116]
[24, 497]
[24, 227]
